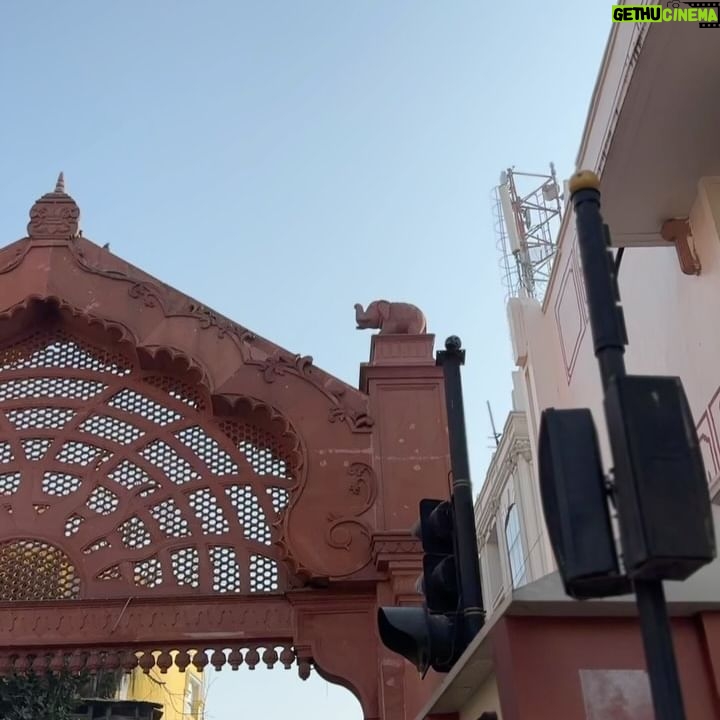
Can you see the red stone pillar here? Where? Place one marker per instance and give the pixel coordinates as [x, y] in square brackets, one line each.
[407, 399]
[412, 461]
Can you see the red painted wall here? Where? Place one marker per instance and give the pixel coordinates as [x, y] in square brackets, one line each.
[539, 659]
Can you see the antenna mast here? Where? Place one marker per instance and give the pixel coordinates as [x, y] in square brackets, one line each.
[528, 212]
[495, 434]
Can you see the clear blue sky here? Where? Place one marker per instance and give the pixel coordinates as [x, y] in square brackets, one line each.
[281, 161]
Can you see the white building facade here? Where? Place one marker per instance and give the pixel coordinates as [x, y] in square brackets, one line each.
[508, 516]
[660, 172]
[652, 136]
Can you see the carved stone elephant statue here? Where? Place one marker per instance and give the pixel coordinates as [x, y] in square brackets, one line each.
[392, 318]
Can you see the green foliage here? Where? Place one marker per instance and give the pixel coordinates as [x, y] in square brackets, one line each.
[50, 697]
[33, 697]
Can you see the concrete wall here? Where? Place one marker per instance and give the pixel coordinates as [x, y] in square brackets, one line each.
[485, 699]
[511, 480]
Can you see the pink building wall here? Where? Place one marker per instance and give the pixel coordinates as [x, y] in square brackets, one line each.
[594, 668]
[670, 318]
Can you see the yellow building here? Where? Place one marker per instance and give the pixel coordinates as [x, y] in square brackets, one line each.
[182, 694]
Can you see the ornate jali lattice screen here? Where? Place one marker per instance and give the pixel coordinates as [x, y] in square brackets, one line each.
[148, 491]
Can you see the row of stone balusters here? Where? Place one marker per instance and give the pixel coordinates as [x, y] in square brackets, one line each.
[94, 661]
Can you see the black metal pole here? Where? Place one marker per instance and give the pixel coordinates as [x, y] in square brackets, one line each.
[610, 338]
[467, 551]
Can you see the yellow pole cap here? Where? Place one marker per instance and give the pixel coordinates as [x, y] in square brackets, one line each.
[584, 180]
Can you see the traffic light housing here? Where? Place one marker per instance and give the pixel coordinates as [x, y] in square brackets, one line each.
[425, 640]
[431, 636]
[436, 531]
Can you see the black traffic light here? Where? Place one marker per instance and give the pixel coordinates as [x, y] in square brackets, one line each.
[436, 635]
[436, 531]
[430, 636]
[424, 639]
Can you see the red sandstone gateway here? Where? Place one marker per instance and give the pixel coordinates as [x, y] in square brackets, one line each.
[170, 481]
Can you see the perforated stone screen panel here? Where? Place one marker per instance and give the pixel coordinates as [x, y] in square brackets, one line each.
[34, 570]
[132, 475]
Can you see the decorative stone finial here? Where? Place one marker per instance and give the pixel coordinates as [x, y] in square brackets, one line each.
[55, 216]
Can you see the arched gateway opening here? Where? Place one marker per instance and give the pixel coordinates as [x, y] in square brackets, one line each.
[172, 483]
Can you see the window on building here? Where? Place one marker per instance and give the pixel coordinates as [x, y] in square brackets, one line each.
[515, 547]
[192, 698]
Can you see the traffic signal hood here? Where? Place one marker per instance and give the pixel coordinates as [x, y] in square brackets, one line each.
[439, 582]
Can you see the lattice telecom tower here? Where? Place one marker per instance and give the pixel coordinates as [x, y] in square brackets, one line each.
[527, 214]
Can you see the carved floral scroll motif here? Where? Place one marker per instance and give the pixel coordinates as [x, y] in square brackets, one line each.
[348, 407]
[16, 257]
[148, 293]
[225, 327]
[363, 486]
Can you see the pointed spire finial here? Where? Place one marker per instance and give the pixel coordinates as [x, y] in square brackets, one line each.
[55, 216]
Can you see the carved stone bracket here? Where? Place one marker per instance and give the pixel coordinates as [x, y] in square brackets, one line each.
[323, 624]
[521, 448]
[389, 547]
[679, 232]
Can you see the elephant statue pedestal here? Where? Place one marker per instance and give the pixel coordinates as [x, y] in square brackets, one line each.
[402, 350]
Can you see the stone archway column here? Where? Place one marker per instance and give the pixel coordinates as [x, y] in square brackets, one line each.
[406, 393]
[335, 632]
